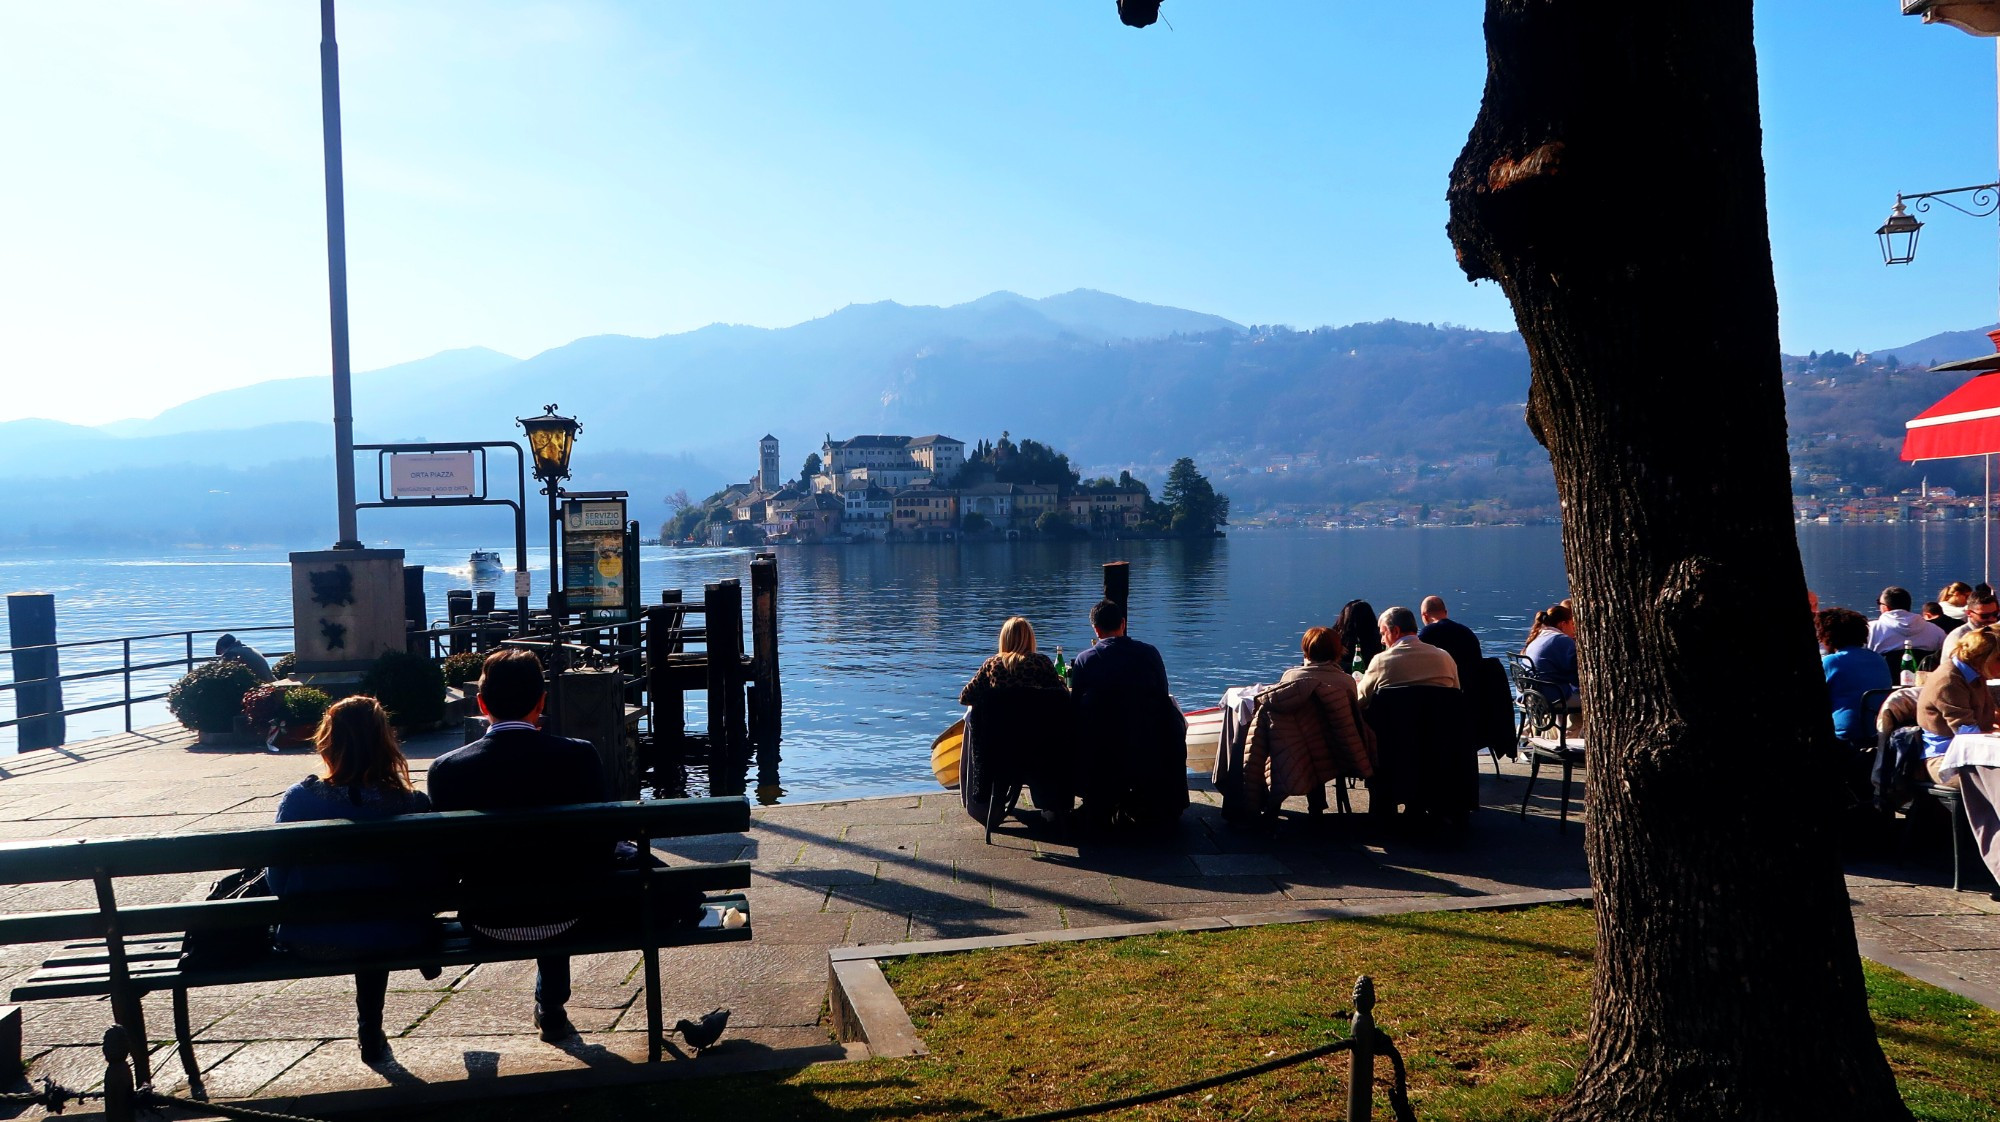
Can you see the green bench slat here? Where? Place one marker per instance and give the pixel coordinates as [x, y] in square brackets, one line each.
[437, 835]
[79, 979]
[200, 915]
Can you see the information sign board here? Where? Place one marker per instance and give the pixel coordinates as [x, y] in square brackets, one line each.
[422, 475]
[594, 554]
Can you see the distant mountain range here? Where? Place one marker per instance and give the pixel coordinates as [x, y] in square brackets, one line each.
[1942, 347]
[1368, 410]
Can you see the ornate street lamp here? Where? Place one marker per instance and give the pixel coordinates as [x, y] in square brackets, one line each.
[551, 439]
[1899, 236]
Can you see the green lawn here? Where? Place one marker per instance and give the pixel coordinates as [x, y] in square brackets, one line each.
[1488, 1008]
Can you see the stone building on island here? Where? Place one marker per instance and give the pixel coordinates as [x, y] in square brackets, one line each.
[882, 487]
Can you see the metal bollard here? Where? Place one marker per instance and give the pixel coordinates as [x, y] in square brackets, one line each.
[1361, 1076]
[119, 1102]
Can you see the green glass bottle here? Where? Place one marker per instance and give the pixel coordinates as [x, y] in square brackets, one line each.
[1062, 668]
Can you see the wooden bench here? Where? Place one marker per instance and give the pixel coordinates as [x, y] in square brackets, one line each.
[125, 951]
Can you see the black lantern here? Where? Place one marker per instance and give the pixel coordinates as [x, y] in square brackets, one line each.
[551, 439]
[1899, 236]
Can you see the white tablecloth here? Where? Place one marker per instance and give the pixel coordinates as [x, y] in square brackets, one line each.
[1971, 749]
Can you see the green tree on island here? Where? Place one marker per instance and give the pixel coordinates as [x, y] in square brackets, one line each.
[1195, 507]
[811, 468]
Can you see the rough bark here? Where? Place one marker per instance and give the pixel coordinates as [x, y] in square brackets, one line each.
[1613, 185]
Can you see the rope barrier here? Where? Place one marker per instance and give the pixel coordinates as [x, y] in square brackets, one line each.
[1399, 1099]
[52, 1097]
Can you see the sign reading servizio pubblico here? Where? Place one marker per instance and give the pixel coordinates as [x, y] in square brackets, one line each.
[419, 475]
[594, 554]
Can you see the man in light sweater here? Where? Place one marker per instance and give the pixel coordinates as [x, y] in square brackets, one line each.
[1406, 660]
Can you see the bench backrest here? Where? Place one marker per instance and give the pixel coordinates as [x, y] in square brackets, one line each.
[466, 835]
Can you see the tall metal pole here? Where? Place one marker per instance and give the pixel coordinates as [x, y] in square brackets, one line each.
[336, 280]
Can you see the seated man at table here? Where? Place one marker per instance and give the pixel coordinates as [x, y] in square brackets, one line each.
[1898, 625]
[1135, 770]
[1405, 659]
[1449, 636]
[1955, 698]
[517, 897]
[1983, 610]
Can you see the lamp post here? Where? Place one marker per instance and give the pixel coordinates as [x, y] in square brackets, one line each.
[551, 439]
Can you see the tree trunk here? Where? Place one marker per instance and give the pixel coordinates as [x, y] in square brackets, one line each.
[1613, 185]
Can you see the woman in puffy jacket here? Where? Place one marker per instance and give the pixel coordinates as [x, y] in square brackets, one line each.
[1308, 730]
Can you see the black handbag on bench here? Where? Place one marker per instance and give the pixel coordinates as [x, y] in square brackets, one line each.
[229, 946]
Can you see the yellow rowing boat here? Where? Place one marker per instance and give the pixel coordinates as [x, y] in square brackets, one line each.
[944, 754]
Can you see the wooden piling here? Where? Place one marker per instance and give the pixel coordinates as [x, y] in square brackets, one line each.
[1118, 585]
[458, 605]
[723, 622]
[663, 692]
[31, 622]
[416, 614]
[767, 699]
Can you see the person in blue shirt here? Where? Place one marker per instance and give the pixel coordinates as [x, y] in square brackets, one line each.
[1551, 648]
[365, 779]
[1851, 671]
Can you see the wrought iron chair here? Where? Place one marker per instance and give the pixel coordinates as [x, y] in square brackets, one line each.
[1545, 711]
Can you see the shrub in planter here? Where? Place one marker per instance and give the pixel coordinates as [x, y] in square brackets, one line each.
[209, 697]
[463, 667]
[304, 706]
[264, 708]
[285, 665]
[409, 686]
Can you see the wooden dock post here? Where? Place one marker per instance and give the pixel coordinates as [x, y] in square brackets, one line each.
[458, 605]
[416, 616]
[1118, 585]
[766, 698]
[663, 692]
[31, 622]
[723, 622]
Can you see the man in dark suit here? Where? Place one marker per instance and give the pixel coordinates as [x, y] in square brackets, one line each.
[1450, 636]
[517, 895]
[1137, 766]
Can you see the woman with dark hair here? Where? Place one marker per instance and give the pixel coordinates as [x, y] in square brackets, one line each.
[1359, 634]
[1851, 670]
[365, 779]
[1551, 648]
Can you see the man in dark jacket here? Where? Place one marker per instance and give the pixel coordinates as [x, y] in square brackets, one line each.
[1451, 637]
[517, 895]
[1136, 748]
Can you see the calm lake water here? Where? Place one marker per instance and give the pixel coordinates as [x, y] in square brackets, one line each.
[876, 640]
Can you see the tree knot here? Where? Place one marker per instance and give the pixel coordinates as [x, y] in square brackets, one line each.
[1685, 586]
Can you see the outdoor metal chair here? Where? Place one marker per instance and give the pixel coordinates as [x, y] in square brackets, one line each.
[1545, 716]
[1927, 660]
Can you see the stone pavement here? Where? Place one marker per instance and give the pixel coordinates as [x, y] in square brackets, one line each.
[826, 874]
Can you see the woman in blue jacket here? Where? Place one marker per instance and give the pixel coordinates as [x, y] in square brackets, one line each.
[1851, 670]
[365, 779]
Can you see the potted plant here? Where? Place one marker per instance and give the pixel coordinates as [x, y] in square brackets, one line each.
[209, 699]
[463, 667]
[409, 686]
[284, 716]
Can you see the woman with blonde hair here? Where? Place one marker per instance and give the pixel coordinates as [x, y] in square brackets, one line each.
[1955, 697]
[364, 778]
[1017, 663]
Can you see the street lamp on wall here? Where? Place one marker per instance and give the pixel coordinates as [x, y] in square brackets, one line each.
[551, 440]
[1899, 236]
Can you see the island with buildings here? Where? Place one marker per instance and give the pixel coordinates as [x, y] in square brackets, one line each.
[932, 489]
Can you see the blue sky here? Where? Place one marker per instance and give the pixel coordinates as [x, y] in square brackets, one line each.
[522, 174]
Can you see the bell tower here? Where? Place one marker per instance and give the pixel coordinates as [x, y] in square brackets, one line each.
[770, 476]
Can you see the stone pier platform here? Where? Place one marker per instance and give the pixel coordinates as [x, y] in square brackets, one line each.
[827, 874]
